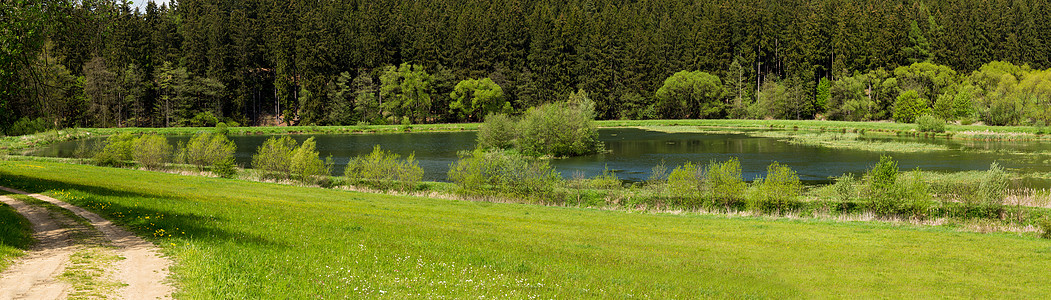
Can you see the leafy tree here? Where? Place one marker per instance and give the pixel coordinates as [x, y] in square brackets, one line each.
[694, 94]
[909, 106]
[919, 49]
[823, 94]
[474, 98]
[405, 92]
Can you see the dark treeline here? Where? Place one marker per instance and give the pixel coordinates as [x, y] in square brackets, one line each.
[254, 62]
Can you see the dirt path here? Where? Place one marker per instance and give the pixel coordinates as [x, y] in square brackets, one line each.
[143, 271]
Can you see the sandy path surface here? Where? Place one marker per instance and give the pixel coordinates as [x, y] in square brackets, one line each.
[143, 269]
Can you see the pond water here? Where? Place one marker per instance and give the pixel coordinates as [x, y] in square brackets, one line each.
[634, 152]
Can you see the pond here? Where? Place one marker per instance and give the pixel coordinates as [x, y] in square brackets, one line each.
[634, 152]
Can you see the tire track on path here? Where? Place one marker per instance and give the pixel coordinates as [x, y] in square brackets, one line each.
[143, 270]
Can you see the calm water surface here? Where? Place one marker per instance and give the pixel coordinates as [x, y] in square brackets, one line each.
[634, 152]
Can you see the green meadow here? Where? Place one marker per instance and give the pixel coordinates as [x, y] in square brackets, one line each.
[241, 239]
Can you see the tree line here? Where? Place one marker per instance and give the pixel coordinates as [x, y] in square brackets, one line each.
[104, 63]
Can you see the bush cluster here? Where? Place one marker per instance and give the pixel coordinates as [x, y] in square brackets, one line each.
[282, 158]
[717, 185]
[556, 129]
[24, 126]
[1045, 226]
[778, 192]
[208, 149]
[929, 123]
[149, 151]
[480, 171]
[152, 151]
[385, 170]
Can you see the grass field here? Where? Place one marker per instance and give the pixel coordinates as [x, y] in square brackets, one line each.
[15, 234]
[238, 239]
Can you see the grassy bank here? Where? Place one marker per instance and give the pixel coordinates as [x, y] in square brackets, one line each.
[15, 234]
[967, 132]
[237, 239]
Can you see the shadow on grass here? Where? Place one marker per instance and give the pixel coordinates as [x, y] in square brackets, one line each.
[195, 226]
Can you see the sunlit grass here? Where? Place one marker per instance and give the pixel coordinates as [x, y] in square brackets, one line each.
[238, 239]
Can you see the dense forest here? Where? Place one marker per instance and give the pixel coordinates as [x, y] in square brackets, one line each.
[103, 63]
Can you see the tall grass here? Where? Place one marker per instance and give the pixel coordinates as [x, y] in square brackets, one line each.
[16, 234]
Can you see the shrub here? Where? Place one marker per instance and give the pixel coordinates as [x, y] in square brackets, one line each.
[479, 171]
[846, 188]
[204, 119]
[24, 126]
[778, 192]
[385, 170]
[1045, 226]
[724, 183]
[306, 164]
[152, 151]
[497, 132]
[929, 123]
[881, 183]
[117, 150]
[207, 149]
[225, 168]
[992, 190]
[558, 129]
[908, 106]
[222, 128]
[685, 183]
[275, 156]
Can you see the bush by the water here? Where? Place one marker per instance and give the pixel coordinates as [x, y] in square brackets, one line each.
[117, 150]
[385, 170]
[929, 123]
[307, 165]
[480, 171]
[152, 151]
[557, 129]
[778, 192]
[497, 132]
[275, 156]
[1045, 226]
[208, 149]
[890, 194]
[719, 184]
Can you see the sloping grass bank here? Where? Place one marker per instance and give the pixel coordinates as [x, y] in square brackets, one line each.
[237, 239]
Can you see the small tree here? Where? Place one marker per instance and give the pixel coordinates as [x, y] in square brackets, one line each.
[909, 106]
[498, 131]
[306, 163]
[117, 151]
[691, 95]
[152, 151]
[475, 98]
[208, 149]
[275, 156]
[778, 192]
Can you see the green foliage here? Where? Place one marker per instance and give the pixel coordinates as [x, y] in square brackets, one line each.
[222, 128]
[26, 126]
[778, 192]
[929, 123]
[117, 150]
[558, 129]
[685, 182]
[1045, 226]
[475, 98]
[909, 106]
[152, 151]
[725, 183]
[892, 195]
[225, 168]
[480, 172]
[992, 190]
[204, 119]
[405, 92]
[385, 170]
[694, 94]
[306, 163]
[498, 131]
[208, 149]
[824, 94]
[881, 184]
[275, 156]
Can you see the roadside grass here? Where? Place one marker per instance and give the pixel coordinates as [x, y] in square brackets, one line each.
[16, 234]
[238, 239]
